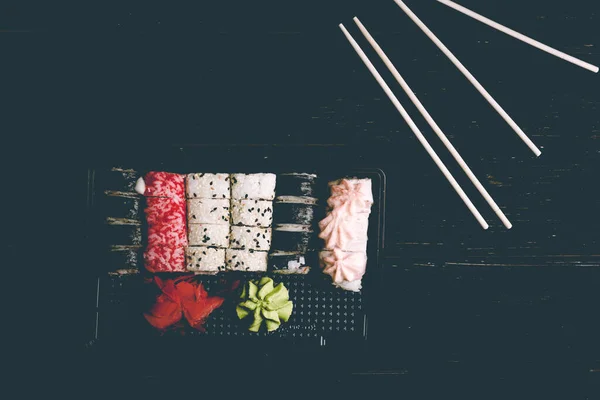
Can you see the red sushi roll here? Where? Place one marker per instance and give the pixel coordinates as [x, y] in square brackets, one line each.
[164, 184]
[167, 258]
[164, 211]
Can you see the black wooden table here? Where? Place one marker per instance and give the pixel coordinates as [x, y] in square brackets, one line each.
[463, 311]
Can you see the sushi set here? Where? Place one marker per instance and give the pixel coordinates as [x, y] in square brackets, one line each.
[291, 255]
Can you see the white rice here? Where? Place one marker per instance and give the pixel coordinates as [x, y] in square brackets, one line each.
[287, 263]
[205, 259]
[208, 235]
[245, 260]
[252, 212]
[208, 211]
[253, 186]
[207, 186]
[246, 237]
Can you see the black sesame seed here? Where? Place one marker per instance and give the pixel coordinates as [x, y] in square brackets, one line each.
[197, 265]
[251, 250]
[246, 196]
[247, 230]
[205, 229]
[258, 210]
[214, 195]
[190, 265]
[226, 179]
[195, 195]
[256, 220]
[201, 175]
[199, 259]
[234, 256]
[210, 183]
[223, 196]
[226, 237]
[247, 268]
[194, 177]
[258, 234]
[255, 201]
[204, 252]
[193, 216]
[264, 237]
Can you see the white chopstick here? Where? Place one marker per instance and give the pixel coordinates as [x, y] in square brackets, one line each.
[520, 36]
[434, 125]
[415, 129]
[470, 77]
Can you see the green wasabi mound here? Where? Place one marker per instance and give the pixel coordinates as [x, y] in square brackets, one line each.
[266, 303]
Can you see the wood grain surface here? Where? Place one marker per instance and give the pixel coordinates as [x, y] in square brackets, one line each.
[504, 309]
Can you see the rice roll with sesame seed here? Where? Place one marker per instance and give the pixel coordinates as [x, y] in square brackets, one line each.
[296, 184]
[208, 211]
[292, 238]
[247, 237]
[252, 212]
[208, 235]
[207, 186]
[208, 260]
[289, 263]
[246, 260]
[253, 186]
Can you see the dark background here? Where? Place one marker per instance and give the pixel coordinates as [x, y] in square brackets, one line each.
[463, 311]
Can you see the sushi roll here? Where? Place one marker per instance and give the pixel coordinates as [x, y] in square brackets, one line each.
[354, 195]
[116, 180]
[122, 205]
[164, 258]
[297, 184]
[162, 184]
[294, 213]
[208, 211]
[346, 268]
[208, 235]
[208, 260]
[246, 237]
[125, 232]
[253, 186]
[207, 186]
[122, 258]
[166, 222]
[289, 263]
[252, 212]
[345, 232]
[246, 260]
[292, 238]
[164, 210]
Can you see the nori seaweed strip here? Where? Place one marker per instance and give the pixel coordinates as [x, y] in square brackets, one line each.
[292, 241]
[116, 180]
[290, 213]
[119, 207]
[123, 259]
[124, 235]
[296, 184]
